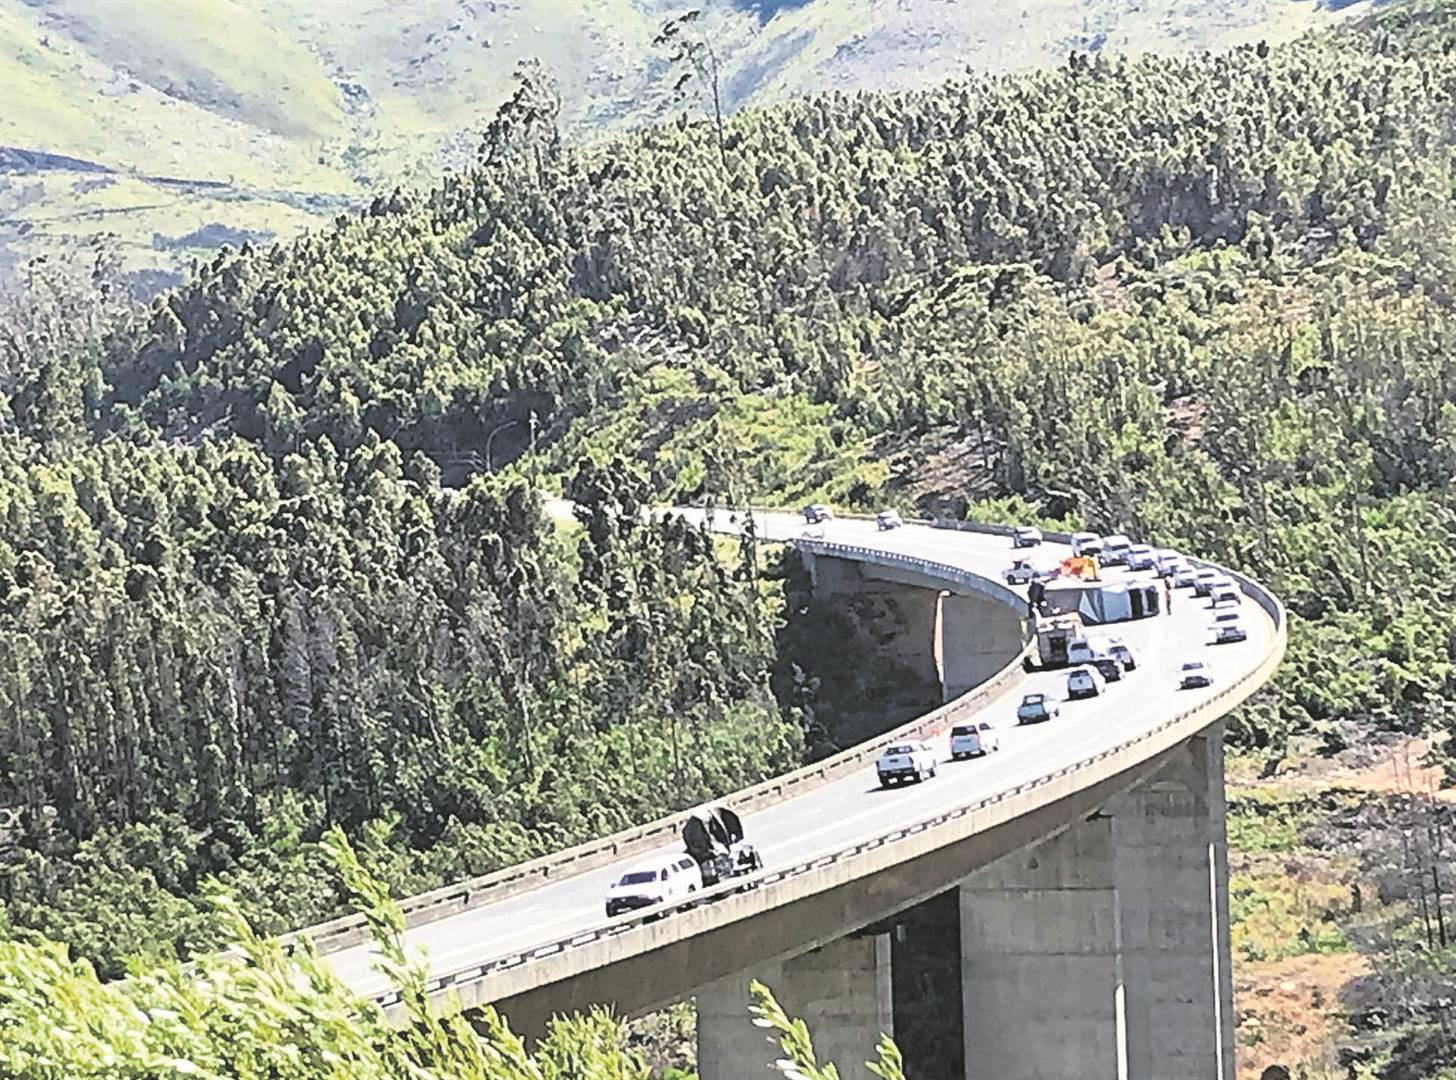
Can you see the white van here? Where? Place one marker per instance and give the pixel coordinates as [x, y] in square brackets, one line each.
[1086, 543]
[668, 878]
[1086, 650]
[1115, 549]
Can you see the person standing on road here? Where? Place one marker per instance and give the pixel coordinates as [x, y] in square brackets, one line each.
[1168, 595]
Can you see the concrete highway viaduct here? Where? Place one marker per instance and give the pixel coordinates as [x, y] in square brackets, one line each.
[1086, 861]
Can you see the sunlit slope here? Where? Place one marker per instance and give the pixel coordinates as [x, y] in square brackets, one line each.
[287, 111]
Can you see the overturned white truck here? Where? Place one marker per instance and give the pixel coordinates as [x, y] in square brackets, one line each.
[713, 836]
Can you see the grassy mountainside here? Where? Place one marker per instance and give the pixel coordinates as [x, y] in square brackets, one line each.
[217, 121]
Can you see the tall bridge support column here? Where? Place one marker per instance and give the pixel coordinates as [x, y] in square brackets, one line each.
[841, 991]
[1172, 869]
[978, 637]
[1041, 977]
[1104, 951]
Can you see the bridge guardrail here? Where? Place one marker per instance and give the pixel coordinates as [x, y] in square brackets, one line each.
[1206, 711]
[349, 930]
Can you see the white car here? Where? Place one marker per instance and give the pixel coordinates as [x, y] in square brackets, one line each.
[1122, 652]
[1115, 549]
[1165, 562]
[1225, 592]
[888, 519]
[1140, 557]
[1203, 580]
[973, 740]
[1084, 682]
[906, 761]
[1183, 576]
[1025, 536]
[672, 877]
[1086, 543]
[1035, 708]
[1195, 673]
[1085, 650]
[1023, 571]
[1228, 626]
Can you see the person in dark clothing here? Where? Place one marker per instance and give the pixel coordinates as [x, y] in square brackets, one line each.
[1168, 595]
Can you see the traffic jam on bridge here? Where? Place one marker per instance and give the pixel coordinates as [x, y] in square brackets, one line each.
[1065, 595]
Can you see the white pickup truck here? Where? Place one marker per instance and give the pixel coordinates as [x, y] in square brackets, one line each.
[905, 761]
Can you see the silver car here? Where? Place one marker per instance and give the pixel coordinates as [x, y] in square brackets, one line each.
[1035, 708]
[1084, 682]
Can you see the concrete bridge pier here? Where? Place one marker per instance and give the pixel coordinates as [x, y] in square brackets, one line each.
[1104, 951]
[1041, 974]
[1172, 866]
[841, 991]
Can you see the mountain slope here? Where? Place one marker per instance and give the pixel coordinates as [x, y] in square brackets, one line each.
[267, 117]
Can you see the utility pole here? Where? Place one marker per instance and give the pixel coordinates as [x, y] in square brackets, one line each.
[533, 449]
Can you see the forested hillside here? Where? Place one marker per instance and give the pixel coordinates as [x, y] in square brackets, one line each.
[208, 654]
[1206, 300]
[255, 580]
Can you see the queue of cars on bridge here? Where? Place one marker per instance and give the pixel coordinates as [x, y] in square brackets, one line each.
[715, 848]
[1093, 661]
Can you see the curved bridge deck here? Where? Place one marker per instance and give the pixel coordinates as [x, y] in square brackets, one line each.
[840, 852]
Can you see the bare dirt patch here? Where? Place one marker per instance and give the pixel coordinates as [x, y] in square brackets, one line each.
[1289, 1014]
[1380, 764]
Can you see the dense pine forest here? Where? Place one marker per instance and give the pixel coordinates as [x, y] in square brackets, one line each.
[273, 557]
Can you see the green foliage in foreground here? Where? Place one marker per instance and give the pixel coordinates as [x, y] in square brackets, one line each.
[255, 1012]
[1207, 300]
